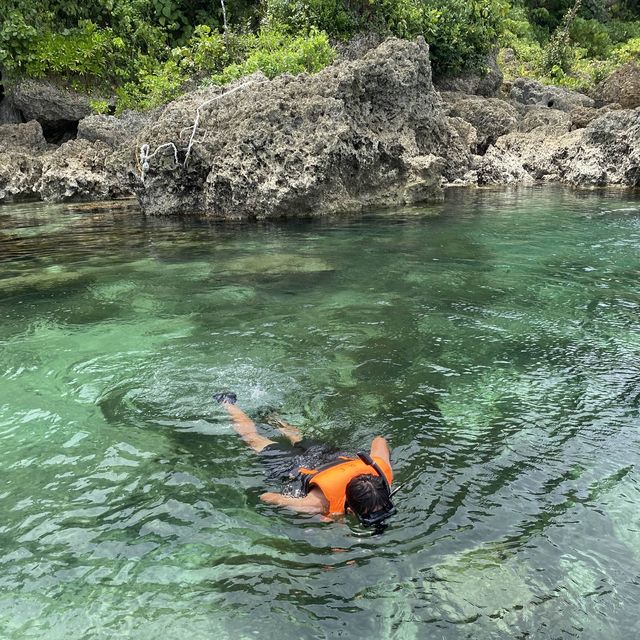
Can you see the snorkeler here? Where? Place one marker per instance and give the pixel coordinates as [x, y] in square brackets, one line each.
[340, 484]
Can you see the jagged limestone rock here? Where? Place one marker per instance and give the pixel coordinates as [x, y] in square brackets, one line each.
[622, 87]
[114, 131]
[605, 152]
[21, 148]
[367, 132]
[527, 91]
[490, 117]
[608, 152]
[81, 170]
[45, 101]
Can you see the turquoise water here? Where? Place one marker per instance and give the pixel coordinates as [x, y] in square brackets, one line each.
[493, 339]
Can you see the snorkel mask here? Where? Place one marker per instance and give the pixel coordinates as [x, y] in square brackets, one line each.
[376, 518]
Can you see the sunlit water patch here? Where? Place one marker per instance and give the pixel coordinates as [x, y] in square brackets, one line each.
[493, 339]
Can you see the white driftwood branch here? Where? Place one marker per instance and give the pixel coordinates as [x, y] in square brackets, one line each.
[145, 156]
[208, 102]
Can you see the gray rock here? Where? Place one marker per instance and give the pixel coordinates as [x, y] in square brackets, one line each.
[498, 167]
[490, 117]
[582, 116]
[111, 130]
[461, 142]
[540, 155]
[608, 152]
[26, 137]
[605, 152]
[556, 122]
[81, 170]
[21, 148]
[8, 112]
[364, 132]
[361, 133]
[485, 83]
[532, 92]
[19, 173]
[622, 86]
[44, 101]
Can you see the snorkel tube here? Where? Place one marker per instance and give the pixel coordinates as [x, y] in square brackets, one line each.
[376, 518]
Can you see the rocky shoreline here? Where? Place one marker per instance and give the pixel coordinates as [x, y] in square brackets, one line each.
[370, 130]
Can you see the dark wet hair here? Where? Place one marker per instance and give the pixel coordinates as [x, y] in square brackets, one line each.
[367, 494]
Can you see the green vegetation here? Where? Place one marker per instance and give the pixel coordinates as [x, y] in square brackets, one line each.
[209, 57]
[576, 43]
[146, 52]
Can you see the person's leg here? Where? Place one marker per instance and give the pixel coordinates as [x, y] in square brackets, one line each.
[243, 425]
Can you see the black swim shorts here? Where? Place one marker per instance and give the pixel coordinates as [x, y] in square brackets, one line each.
[282, 462]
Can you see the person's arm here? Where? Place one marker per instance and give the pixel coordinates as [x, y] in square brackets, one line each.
[313, 502]
[380, 449]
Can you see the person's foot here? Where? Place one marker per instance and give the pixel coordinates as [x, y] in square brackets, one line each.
[226, 397]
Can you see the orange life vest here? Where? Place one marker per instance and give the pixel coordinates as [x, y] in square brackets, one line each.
[332, 479]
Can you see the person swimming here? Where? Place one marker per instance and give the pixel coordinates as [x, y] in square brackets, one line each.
[321, 480]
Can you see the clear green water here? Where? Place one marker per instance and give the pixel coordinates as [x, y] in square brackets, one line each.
[494, 340]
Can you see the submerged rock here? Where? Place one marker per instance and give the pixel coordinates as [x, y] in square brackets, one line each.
[277, 264]
[361, 133]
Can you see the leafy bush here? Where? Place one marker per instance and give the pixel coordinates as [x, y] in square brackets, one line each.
[592, 36]
[276, 53]
[559, 55]
[100, 107]
[463, 32]
[334, 17]
[222, 58]
[620, 31]
[209, 52]
[31, 30]
[628, 51]
[88, 53]
[16, 41]
[460, 32]
[156, 84]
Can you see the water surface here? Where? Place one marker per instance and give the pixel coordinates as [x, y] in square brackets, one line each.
[493, 339]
